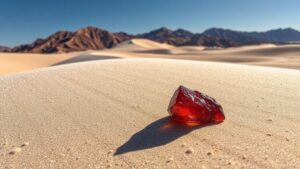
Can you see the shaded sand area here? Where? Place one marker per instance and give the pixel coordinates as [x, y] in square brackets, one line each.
[263, 55]
[112, 114]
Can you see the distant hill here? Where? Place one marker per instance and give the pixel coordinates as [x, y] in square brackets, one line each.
[209, 41]
[4, 48]
[93, 38]
[278, 35]
[89, 38]
[239, 38]
[181, 37]
[246, 38]
[164, 35]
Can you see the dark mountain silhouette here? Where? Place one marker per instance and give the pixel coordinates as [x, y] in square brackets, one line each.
[89, 38]
[278, 35]
[164, 35]
[4, 48]
[205, 40]
[51, 44]
[239, 38]
[246, 38]
[92, 38]
[181, 37]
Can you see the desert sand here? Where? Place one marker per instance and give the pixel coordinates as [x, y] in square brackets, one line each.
[18, 62]
[112, 113]
[285, 56]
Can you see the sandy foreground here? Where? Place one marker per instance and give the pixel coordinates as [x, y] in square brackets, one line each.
[112, 112]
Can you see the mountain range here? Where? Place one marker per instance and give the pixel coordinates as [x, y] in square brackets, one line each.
[93, 38]
[244, 38]
[4, 48]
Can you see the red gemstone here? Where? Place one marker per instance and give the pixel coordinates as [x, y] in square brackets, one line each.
[194, 108]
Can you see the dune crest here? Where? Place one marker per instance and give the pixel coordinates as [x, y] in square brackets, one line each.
[286, 56]
[145, 43]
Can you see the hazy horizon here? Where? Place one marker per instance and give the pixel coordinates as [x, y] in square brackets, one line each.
[23, 22]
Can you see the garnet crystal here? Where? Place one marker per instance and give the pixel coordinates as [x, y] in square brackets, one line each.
[194, 108]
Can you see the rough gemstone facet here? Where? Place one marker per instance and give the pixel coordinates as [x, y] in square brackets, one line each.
[194, 108]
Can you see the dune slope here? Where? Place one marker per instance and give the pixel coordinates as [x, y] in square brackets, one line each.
[112, 113]
[18, 62]
[286, 56]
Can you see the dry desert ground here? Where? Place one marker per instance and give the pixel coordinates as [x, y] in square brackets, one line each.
[58, 111]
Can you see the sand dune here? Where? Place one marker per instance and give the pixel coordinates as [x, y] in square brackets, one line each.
[286, 56]
[83, 58]
[150, 47]
[264, 55]
[18, 62]
[79, 115]
[145, 43]
[265, 50]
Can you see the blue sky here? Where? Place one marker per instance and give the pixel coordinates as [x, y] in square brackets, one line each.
[23, 21]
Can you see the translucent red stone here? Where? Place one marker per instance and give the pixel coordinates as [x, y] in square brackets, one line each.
[194, 108]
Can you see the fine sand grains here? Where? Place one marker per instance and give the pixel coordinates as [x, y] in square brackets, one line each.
[15, 150]
[112, 113]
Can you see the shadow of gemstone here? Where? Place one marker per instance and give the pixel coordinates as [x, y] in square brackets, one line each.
[158, 133]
